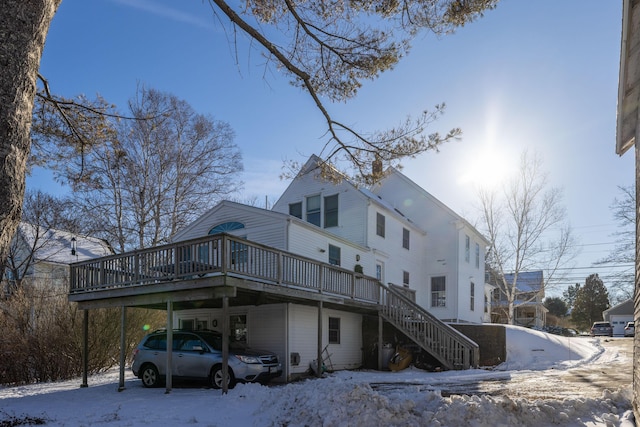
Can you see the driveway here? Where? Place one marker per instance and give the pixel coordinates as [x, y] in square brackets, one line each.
[612, 369]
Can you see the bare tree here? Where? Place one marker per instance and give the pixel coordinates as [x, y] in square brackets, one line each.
[526, 228]
[141, 180]
[32, 242]
[332, 46]
[623, 253]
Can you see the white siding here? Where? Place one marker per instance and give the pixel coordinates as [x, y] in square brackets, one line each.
[261, 226]
[444, 249]
[306, 242]
[303, 326]
[352, 205]
[266, 329]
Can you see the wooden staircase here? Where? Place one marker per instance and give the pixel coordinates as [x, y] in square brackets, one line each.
[451, 348]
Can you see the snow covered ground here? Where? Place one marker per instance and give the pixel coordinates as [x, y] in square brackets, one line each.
[349, 398]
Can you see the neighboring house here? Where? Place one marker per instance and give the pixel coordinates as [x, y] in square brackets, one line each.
[39, 254]
[529, 309]
[619, 315]
[395, 232]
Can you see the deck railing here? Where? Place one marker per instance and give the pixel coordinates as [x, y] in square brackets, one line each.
[216, 255]
[453, 349]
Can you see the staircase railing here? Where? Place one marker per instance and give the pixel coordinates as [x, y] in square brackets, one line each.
[450, 347]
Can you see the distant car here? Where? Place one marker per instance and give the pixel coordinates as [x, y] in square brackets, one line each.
[601, 329]
[197, 355]
[630, 329]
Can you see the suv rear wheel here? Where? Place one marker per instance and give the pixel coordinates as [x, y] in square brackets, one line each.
[149, 376]
[216, 377]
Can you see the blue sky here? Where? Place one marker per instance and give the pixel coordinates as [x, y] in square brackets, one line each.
[539, 75]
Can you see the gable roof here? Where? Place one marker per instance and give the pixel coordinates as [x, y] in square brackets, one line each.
[528, 281]
[205, 220]
[393, 172]
[624, 308]
[312, 165]
[52, 245]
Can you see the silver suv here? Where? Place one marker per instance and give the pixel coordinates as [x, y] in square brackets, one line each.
[198, 355]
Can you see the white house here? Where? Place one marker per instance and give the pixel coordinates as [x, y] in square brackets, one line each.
[45, 254]
[396, 232]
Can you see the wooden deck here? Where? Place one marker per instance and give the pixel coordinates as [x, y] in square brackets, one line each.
[208, 268]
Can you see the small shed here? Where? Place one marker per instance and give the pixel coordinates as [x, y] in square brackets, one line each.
[619, 315]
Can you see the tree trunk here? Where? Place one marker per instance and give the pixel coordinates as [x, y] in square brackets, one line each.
[23, 31]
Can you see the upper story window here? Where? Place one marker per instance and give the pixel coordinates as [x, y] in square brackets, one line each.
[313, 210]
[380, 224]
[331, 211]
[467, 248]
[477, 255]
[226, 226]
[405, 238]
[334, 255]
[405, 278]
[438, 292]
[472, 296]
[295, 209]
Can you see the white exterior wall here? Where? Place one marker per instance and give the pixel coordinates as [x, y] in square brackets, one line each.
[307, 242]
[352, 211]
[261, 225]
[468, 273]
[389, 249]
[302, 337]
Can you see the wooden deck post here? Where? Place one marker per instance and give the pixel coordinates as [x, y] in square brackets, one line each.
[85, 349]
[225, 344]
[169, 376]
[319, 361]
[380, 342]
[123, 343]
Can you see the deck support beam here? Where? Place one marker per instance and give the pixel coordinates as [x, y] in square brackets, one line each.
[380, 342]
[85, 349]
[169, 373]
[123, 345]
[225, 344]
[319, 360]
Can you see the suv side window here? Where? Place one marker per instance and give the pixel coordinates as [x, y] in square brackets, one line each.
[156, 342]
[191, 343]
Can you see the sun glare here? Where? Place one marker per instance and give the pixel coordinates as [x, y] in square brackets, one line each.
[485, 167]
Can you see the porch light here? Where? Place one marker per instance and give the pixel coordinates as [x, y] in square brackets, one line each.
[73, 246]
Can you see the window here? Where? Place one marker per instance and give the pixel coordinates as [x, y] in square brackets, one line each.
[295, 209]
[477, 255]
[438, 292]
[472, 296]
[226, 226]
[313, 210]
[405, 278]
[380, 225]
[405, 238]
[466, 248]
[238, 325]
[334, 255]
[331, 211]
[379, 272]
[334, 330]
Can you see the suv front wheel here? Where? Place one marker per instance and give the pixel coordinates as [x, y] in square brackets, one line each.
[216, 377]
[149, 376]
